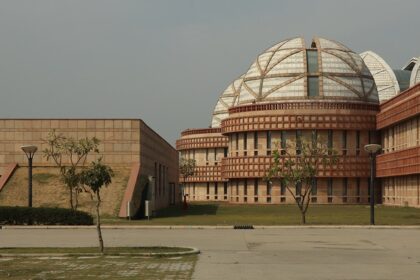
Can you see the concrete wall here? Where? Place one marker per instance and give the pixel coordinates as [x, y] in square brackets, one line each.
[120, 139]
[124, 143]
[159, 160]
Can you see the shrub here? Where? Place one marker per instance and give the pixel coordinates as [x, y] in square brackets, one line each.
[10, 215]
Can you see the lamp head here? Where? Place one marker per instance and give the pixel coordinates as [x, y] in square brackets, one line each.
[29, 150]
[372, 148]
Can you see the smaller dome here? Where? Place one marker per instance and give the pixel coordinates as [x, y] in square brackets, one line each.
[226, 100]
[385, 78]
[403, 78]
[414, 67]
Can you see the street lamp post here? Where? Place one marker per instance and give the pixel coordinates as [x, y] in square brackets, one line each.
[372, 149]
[30, 152]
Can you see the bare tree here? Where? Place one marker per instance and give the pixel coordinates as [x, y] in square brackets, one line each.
[186, 169]
[297, 167]
[69, 155]
[95, 177]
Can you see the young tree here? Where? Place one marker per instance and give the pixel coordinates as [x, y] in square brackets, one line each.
[186, 169]
[297, 167]
[95, 177]
[69, 154]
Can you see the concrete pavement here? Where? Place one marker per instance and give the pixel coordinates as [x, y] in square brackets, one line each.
[275, 253]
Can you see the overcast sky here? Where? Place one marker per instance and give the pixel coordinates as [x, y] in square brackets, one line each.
[167, 62]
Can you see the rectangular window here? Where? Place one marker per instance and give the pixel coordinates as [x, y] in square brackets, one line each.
[312, 61]
[207, 154]
[330, 141]
[245, 144]
[163, 180]
[282, 188]
[245, 187]
[330, 189]
[237, 191]
[215, 190]
[215, 154]
[256, 190]
[237, 141]
[193, 189]
[268, 140]
[268, 188]
[344, 142]
[255, 140]
[314, 190]
[371, 136]
[298, 142]
[314, 187]
[208, 190]
[268, 191]
[357, 142]
[225, 190]
[345, 186]
[255, 143]
[256, 187]
[160, 178]
[313, 86]
[314, 138]
[313, 69]
[283, 142]
[225, 152]
[345, 189]
[156, 178]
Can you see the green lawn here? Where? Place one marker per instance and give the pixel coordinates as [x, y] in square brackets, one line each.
[228, 214]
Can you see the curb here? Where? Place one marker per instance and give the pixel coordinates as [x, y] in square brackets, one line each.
[219, 227]
[191, 251]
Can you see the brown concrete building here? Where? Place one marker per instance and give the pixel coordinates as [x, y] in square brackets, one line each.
[292, 92]
[125, 143]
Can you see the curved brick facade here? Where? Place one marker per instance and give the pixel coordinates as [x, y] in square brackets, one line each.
[233, 160]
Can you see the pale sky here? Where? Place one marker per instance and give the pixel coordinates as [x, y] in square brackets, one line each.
[167, 62]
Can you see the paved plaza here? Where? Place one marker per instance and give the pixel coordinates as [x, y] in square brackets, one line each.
[274, 253]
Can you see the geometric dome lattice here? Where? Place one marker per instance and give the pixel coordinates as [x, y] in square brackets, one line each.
[385, 79]
[289, 71]
[226, 100]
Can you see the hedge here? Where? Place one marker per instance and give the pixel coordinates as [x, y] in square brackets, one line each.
[10, 215]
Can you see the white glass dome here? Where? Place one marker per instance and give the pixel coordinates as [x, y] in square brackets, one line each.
[290, 71]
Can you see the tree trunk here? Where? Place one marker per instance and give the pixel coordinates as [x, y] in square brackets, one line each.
[98, 223]
[71, 198]
[303, 218]
[76, 198]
